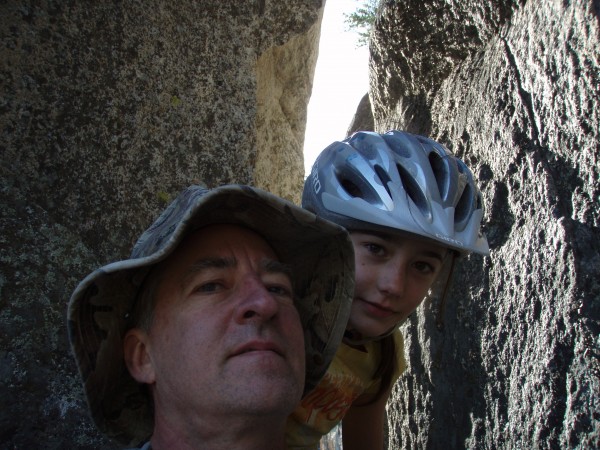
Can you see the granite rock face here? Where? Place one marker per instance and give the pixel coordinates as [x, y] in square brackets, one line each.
[363, 118]
[511, 359]
[108, 110]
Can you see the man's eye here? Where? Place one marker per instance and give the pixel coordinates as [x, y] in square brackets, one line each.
[282, 291]
[209, 287]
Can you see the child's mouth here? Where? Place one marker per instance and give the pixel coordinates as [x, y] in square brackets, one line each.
[376, 310]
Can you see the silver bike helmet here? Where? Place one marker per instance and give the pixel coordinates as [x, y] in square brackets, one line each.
[398, 181]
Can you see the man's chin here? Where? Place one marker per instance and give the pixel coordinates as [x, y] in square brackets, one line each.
[268, 394]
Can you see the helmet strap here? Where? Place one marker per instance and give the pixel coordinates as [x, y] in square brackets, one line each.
[439, 322]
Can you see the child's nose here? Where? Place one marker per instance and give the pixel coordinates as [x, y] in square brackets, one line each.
[392, 279]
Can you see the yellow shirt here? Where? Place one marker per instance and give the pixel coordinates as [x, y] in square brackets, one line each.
[349, 376]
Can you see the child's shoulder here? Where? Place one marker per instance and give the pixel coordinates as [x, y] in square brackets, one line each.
[399, 343]
[398, 339]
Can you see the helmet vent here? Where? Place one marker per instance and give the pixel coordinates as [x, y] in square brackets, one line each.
[413, 191]
[441, 173]
[351, 189]
[464, 207]
[384, 177]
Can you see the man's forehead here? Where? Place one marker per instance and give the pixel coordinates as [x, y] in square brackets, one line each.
[226, 262]
[223, 237]
[217, 245]
[223, 245]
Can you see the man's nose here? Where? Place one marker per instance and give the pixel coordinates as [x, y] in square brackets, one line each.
[255, 301]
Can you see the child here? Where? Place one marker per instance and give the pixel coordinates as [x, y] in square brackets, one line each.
[411, 208]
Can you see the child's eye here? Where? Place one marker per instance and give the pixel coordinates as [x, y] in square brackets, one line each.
[424, 267]
[375, 249]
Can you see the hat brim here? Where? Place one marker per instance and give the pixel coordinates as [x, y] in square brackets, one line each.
[319, 253]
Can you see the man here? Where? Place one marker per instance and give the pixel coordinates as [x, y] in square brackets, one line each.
[230, 308]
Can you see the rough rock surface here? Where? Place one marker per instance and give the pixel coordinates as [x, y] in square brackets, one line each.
[511, 360]
[363, 118]
[109, 109]
[283, 93]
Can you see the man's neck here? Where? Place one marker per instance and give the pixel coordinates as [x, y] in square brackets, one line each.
[230, 434]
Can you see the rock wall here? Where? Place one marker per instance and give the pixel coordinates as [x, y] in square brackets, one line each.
[511, 358]
[108, 110]
[284, 85]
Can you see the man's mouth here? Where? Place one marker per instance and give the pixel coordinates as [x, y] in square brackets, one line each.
[258, 346]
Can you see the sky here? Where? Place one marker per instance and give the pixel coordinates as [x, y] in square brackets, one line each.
[341, 80]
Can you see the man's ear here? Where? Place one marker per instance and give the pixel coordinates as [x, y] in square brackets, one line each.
[137, 357]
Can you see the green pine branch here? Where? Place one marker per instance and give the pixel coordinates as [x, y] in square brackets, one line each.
[361, 21]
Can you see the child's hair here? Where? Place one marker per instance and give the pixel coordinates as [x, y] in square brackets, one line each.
[387, 366]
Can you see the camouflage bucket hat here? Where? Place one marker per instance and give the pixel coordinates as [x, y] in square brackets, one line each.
[319, 252]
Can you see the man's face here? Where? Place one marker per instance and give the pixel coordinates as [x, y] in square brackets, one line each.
[226, 336]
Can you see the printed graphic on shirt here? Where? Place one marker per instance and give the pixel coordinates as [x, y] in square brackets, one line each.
[330, 400]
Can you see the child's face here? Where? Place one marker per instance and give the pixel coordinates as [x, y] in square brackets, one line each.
[393, 275]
